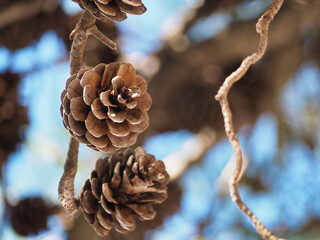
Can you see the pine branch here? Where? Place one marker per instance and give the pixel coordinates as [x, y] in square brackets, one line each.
[66, 185]
[262, 28]
[85, 27]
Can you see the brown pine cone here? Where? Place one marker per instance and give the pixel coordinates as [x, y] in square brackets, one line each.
[30, 216]
[113, 9]
[106, 107]
[122, 187]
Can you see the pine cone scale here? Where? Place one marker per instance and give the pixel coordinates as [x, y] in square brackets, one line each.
[144, 211]
[117, 115]
[110, 9]
[134, 3]
[99, 228]
[99, 110]
[107, 207]
[79, 110]
[135, 10]
[124, 217]
[89, 202]
[104, 1]
[104, 219]
[106, 99]
[90, 93]
[90, 78]
[96, 127]
[109, 71]
[101, 142]
[107, 193]
[119, 130]
[74, 89]
[78, 127]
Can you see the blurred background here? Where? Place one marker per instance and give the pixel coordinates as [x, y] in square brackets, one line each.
[185, 48]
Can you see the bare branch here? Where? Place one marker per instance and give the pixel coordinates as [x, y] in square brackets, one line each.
[101, 37]
[79, 36]
[66, 185]
[262, 28]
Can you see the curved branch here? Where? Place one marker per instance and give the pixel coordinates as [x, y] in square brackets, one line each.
[262, 28]
[85, 27]
[66, 184]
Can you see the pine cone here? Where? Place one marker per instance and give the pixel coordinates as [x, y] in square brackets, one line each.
[106, 107]
[122, 187]
[113, 9]
[30, 216]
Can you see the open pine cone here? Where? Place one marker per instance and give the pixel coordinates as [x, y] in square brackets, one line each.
[113, 9]
[122, 187]
[106, 107]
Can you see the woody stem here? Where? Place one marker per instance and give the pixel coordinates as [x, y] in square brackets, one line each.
[66, 185]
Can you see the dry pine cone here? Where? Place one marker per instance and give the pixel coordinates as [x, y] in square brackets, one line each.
[122, 187]
[30, 216]
[113, 9]
[106, 107]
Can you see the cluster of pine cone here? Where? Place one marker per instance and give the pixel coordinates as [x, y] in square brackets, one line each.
[105, 107]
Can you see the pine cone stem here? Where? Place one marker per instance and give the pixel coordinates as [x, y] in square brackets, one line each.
[85, 27]
[79, 37]
[66, 184]
[102, 38]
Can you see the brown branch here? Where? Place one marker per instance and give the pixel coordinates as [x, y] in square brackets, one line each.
[79, 36]
[94, 31]
[262, 28]
[85, 27]
[66, 184]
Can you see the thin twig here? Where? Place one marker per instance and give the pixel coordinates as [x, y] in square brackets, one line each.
[102, 38]
[261, 28]
[85, 27]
